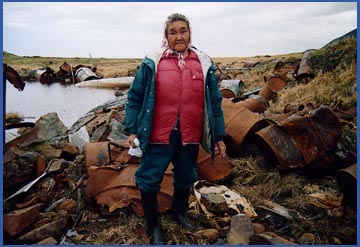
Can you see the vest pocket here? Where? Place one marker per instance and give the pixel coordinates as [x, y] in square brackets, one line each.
[197, 79]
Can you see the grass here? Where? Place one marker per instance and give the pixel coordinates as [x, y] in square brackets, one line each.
[13, 117]
[335, 85]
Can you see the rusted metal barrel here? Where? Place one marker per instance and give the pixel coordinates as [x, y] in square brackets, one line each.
[231, 88]
[304, 70]
[279, 148]
[347, 180]
[45, 76]
[273, 84]
[85, 74]
[240, 122]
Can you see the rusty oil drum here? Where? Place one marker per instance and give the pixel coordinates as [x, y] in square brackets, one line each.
[240, 122]
[231, 88]
[273, 84]
[84, 73]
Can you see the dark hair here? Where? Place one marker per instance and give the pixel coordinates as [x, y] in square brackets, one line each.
[176, 17]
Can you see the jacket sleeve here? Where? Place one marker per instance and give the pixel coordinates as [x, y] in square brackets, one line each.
[216, 99]
[135, 98]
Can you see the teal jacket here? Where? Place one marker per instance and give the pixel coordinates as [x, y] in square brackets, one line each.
[140, 104]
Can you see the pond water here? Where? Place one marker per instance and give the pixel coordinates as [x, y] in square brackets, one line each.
[68, 101]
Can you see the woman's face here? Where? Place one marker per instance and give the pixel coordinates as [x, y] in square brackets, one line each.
[178, 35]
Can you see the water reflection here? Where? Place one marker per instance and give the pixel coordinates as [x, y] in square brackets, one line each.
[68, 101]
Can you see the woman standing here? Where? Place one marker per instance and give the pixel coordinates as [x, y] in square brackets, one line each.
[174, 105]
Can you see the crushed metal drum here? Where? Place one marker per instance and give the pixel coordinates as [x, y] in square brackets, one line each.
[115, 187]
[301, 140]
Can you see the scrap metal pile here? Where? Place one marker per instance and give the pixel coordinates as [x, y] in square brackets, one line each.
[67, 74]
[53, 174]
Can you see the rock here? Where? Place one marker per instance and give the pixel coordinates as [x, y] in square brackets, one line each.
[214, 202]
[241, 229]
[17, 221]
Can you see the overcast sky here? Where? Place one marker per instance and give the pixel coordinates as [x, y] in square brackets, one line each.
[133, 29]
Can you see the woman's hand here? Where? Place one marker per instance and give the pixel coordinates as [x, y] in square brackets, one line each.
[131, 139]
[222, 149]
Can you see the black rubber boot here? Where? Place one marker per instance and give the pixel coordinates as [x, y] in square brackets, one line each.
[150, 205]
[179, 205]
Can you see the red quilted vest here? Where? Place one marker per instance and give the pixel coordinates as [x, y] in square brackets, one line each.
[178, 93]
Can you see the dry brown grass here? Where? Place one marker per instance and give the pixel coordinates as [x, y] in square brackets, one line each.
[13, 117]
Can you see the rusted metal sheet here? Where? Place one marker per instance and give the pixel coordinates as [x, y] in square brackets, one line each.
[214, 170]
[304, 70]
[301, 140]
[105, 153]
[13, 77]
[239, 123]
[231, 88]
[116, 188]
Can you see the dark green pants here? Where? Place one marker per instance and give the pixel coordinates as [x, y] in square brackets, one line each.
[157, 158]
